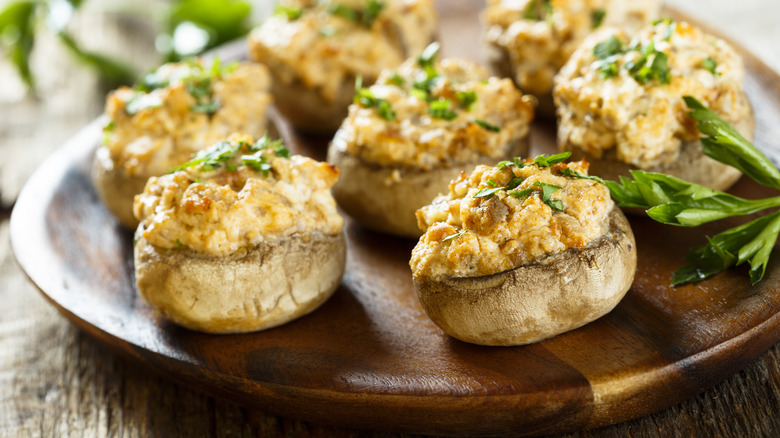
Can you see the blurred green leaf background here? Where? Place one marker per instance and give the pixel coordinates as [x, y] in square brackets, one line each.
[185, 28]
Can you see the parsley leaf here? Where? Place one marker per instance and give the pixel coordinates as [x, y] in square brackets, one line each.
[210, 158]
[364, 17]
[487, 125]
[670, 200]
[485, 193]
[291, 12]
[710, 65]
[456, 235]
[547, 191]
[467, 99]
[367, 99]
[440, 109]
[597, 17]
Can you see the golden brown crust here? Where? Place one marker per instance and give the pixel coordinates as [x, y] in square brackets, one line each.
[539, 300]
[386, 198]
[252, 290]
[692, 165]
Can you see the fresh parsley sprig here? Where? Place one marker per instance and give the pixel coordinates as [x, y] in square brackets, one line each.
[672, 201]
[222, 154]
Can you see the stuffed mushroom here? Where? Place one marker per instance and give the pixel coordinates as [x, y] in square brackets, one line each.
[169, 115]
[315, 50]
[242, 238]
[415, 130]
[522, 251]
[620, 102]
[533, 39]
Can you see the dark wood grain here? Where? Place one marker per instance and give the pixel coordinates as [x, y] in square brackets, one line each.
[686, 343]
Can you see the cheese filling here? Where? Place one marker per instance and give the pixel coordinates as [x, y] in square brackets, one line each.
[625, 94]
[430, 113]
[499, 218]
[237, 195]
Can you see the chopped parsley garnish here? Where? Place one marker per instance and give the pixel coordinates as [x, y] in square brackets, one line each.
[365, 17]
[220, 155]
[520, 193]
[547, 191]
[487, 125]
[538, 10]
[441, 109]
[467, 98]
[514, 182]
[456, 235]
[197, 81]
[605, 49]
[396, 80]
[597, 17]
[551, 160]
[210, 158]
[491, 182]
[367, 99]
[485, 193]
[608, 53]
[141, 102]
[710, 65]
[291, 12]
[109, 127]
[179, 244]
[671, 25]
[258, 162]
[652, 64]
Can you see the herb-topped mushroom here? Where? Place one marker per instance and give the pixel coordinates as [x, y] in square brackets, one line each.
[169, 115]
[534, 38]
[416, 129]
[241, 238]
[315, 49]
[522, 251]
[620, 101]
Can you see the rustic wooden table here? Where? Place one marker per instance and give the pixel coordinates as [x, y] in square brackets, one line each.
[55, 381]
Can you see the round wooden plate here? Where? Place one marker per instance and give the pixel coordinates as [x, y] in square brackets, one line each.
[370, 358]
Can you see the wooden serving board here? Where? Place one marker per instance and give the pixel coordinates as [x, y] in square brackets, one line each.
[370, 358]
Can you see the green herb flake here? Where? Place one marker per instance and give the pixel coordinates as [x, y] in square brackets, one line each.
[487, 125]
[367, 99]
[206, 108]
[504, 164]
[467, 99]
[257, 162]
[426, 60]
[608, 53]
[142, 101]
[651, 65]
[486, 193]
[491, 182]
[291, 12]
[547, 191]
[179, 244]
[538, 10]
[364, 17]
[372, 11]
[514, 183]
[710, 65]
[605, 49]
[456, 235]
[396, 79]
[441, 109]
[520, 193]
[597, 18]
[345, 12]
